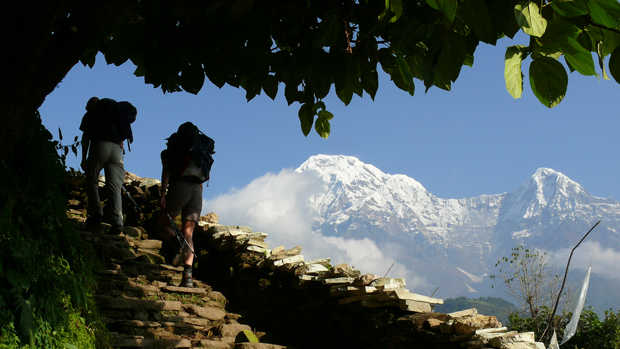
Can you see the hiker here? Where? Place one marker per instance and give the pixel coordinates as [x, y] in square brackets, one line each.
[102, 148]
[181, 193]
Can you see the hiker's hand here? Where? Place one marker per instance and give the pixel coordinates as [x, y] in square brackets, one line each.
[162, 201]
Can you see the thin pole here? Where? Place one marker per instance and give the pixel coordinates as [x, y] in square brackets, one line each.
[555, 307]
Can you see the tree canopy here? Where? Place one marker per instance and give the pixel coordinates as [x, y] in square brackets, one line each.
[307, 47]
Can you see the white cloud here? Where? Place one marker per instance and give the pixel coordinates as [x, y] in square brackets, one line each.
[605, 261]
[276, 204]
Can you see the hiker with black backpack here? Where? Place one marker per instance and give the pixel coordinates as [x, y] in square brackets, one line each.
[105, 127]
[186, 163]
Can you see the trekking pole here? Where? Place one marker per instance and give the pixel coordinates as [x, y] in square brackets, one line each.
[131, 199]
[177, 233]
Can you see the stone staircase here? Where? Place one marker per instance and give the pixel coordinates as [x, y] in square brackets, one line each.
[142, 305]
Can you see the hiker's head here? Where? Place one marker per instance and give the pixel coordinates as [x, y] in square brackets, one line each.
[188, 133]
[92, 103]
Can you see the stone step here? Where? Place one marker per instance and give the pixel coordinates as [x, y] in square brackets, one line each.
[106, 302]
[121, 342]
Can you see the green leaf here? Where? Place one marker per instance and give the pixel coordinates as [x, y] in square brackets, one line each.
[448, 7]
[548, 80]
[512, 70]
[71, 346]
[403, 68]
[306, 117]
[529, 19]
[322, 127]
[578, 57]
[240, 8]
[571, 8]
[395, 6]
[452, 56]
[601, 59]
[614, 64]
[503, 19]
[559, 31]
[18, 280]
[192, 78]
[605, 12]
[324, 114]
[370, 79]
[329, 31]
[270, 86]
[475, 14]
[59, 134]
[250, 336]
[413, 33]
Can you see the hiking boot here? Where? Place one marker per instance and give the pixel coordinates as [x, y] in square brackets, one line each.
[187, 280]
[93, 222]
[115, 230]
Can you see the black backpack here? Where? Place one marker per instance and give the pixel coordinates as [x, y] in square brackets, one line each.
[115, 119]
[191, 153]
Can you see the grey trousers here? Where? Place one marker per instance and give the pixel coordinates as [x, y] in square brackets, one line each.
[109, 157]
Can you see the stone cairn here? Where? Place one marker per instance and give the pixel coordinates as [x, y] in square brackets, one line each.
[302, 304]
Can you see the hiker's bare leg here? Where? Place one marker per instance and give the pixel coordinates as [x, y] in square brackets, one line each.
[187, 228]
[163, 226]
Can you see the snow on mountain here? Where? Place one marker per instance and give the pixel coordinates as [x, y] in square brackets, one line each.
[454, 242]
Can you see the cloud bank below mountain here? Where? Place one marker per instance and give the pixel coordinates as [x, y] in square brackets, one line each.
[276, 204]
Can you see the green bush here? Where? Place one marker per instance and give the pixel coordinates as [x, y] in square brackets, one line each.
[46, 278]
[592, 332]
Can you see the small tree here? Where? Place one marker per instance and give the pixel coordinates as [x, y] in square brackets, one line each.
[527, 277]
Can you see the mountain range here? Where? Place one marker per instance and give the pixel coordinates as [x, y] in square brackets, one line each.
[455, 243]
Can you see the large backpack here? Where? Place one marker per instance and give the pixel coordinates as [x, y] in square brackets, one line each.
[115, 119]
[191, 153]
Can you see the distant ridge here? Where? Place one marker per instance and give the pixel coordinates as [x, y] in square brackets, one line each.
[454, 243]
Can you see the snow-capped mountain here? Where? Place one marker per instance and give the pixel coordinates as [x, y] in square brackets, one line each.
[454, 243]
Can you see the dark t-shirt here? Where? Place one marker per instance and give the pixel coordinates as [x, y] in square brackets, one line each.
[88, 122]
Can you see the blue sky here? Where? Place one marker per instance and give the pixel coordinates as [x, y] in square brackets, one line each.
[471, 141]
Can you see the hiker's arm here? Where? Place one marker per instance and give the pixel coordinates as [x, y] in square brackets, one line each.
[165, 179]
[85, 147]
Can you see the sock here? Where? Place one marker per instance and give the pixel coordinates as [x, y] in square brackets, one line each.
[187, 269]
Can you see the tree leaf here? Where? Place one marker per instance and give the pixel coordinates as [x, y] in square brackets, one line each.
[448, 7]
[548, 80]
[570, 9]
[512, 70]
[192, 78]
[270, 86]
[605, 12]
[322, 127]
[414, 33]
[475, 14]
[578, 57]
[529, 19]
[395, 6]
[370, 79]
[601, 59]
[452, 56]
[306, 117]
[240, 8]
[329, 31]
[324, 114]
[614, 64]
